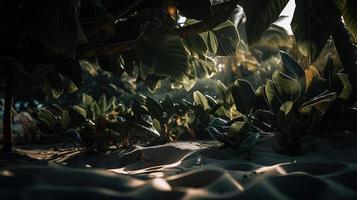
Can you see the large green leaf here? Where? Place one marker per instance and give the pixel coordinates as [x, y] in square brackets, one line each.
[222, 40]
[188, 80]
[285, 114]
[225, 93]
[286, 107]
[243, 96]
[87, 99]
[337, 81]
[163, 51]
[293, 69]
[346, 86]
[266, 116]
[313, 23]
[65, 118]
[271, 93]
[102, 103]
[311, 74]
[205, 68]
[200, 100]
[329, 70]
[48, 118]
[237, 128]
[211, 41]
[260, 14]
[350, 17]
[196, 43]
[80, 110]
[197, 46]
[112, 103]
[319, 103]
[288, 88]
[212, 102]
[227, 38]
[96, 111]
[147, 128]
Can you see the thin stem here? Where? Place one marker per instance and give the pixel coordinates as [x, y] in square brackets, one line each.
[252, 125]
[348, 55]
[101, 24]
[7, 121]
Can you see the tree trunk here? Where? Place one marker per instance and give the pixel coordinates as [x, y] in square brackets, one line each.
[7, 121]
[348, 55]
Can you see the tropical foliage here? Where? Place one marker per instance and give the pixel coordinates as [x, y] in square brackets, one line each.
[295, 102]
[83, 59]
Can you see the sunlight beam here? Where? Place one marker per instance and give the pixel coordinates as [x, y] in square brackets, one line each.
[288, 11]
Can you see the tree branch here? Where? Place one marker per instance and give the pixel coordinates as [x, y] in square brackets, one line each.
[101, 24]
[221, 13]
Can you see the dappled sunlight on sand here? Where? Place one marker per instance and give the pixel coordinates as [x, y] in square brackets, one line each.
[273, 169]
[189, 170]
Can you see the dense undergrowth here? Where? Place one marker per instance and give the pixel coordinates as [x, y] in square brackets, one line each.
[295, 103]
[95, 82]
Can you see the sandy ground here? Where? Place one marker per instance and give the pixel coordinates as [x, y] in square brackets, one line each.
[183, 170]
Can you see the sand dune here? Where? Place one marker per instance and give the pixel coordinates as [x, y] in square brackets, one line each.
[184, 170]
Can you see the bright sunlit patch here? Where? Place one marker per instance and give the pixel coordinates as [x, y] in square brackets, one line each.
[7, 173]
[181, 20]
[277, 168]
[289, 13]
[133, 183]
[236, 183]
[199, 160]
[148, 169]
[192, 193]
[281, 170]
[156, 175]
[161, 184]
[119, 171]
[220, 67]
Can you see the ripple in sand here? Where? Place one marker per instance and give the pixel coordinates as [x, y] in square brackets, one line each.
[304, 187]
[347, 179]
[314, 168]
[196, 179]
[241, 167]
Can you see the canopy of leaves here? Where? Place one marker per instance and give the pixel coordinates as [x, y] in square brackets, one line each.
[350, 17]
[162, 51]
[260, 14]
[313, 23]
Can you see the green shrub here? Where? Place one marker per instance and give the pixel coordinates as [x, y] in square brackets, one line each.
[295, 102]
